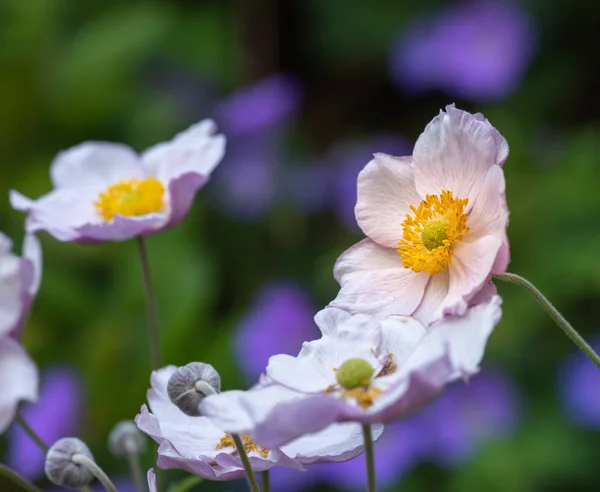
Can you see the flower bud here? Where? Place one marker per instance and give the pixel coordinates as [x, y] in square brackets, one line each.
[190, 384]
[60, 468]
[125, 439]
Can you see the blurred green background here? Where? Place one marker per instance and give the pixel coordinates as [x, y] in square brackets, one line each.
[140, 71]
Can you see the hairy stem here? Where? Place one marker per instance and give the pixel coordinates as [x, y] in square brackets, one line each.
[91, 465]
[370, 457]
[30, 432]
[246, 462]
[17, 479]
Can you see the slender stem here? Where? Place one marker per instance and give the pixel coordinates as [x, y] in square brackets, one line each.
[91, 465]
[266, 481]
[575, 337]
[370, 456]
[30, 432]
[246, 462]
[17, 479]
[136, 471]
[150, 303]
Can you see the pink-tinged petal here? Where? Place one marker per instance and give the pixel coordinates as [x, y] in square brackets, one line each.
[372, 278]
[489, 214]
[401, 334]
[182, 191]
[120, 228]
[11, 305]
[455, 153]
[470, 269]
[18, 380]
[435, 293]
[386, 191]
[500, 142]
[151, 477]
[336, 443]
[196, 150]
[95, 165]
[503, 257]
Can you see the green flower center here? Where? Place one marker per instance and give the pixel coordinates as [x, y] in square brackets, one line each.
[434, 234]
[354, 373]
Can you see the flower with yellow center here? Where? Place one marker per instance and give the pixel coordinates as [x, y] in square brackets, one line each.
[435, 224]
[131, 198]
[107, 192]
[249, 445]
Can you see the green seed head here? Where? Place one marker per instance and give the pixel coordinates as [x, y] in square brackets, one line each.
[434, 234]
[354, 373]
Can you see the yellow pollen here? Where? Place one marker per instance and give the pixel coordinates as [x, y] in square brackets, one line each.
[364, 395]
[249, 445]
[429, 234]
[131, 198]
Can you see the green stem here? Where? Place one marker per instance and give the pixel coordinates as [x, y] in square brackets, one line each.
[91, 465]
[575, 337]
[246, 462]
[30, 432]
[266, 481]
[150, 304]
[370, 457]
[17, 479]
[136, 472]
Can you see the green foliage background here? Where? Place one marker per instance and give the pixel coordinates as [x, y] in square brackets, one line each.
[74, 70]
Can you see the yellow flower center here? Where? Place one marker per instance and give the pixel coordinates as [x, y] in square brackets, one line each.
[249, 445]
[131, 198]
[429, 234]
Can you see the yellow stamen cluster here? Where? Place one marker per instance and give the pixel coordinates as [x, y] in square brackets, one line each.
[249, 445]
[364, 395]
[428, 235]
[131, 198]
[389, 367]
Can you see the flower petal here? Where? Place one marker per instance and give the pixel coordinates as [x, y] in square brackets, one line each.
[489, 214]
[372, 277]
[500, 142]
[182, 191]
[386, 190]
[11, 304]
[18, 380]
[196, 150]
[121, 228]
[435, 293]
[470, 269]
[151, 477]
[454, 153]
[95, 165]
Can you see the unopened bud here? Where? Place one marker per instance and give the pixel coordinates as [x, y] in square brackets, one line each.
[125, 439]
[60, 467]
[190, 384]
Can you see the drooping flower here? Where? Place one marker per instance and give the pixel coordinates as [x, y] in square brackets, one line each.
[577, 382]
[478, 50]
[57, 414]
[19, 282]
[278, 323]
[435, 223]
[467, 416]
[197, 445]
[106, 192]
[361, 370]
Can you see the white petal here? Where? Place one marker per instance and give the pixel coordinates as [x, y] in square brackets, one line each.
[489, 214]
[386, 190]
[436, 291]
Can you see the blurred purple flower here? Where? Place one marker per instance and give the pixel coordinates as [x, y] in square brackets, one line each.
[478, 50]
[57, 414]
[259, 107]
[467, 415]
[348, 159]
[278, 322]
[578, 383]
[396, 452]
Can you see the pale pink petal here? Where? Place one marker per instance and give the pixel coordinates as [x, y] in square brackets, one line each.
[500, 142]
[95, 165]
[196, 150]
[121, 228]
[435, 293]
[455, 153]
[386, 190]
[503, 258]
[373, 277]
[18, 380]
[470, 269]
[182, 191]
[11, 305]
[489, 214]
[151, 477]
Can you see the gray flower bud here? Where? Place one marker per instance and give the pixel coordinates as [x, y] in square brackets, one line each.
[190, 384]
[125, 439]
[60, 468]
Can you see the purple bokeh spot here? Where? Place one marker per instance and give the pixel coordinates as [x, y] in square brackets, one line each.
[578, 384]
[478, 50]
[57, 414]
[280, 320]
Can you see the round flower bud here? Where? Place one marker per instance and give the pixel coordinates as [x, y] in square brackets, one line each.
[125, 439]
[60, 468]
[190, 384]
[354, 373]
